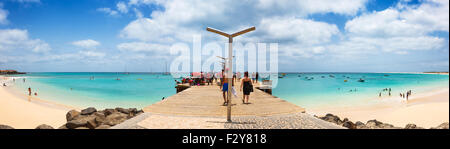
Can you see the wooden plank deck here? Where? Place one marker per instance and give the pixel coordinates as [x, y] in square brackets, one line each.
[208, 100]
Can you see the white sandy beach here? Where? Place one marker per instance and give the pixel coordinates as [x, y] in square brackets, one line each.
[18, 112]
[425, 110]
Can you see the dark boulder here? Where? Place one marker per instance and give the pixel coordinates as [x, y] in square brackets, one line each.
[133, 110]
[332, 118]
[349, 125]
[115, 118]
[108, 111]
[125, 111]
[88, 111]
[5, 127]
[441, 126]
[99, 118]
[80, 121]
[410, 126]
[72, 114]
[44, 126]
[373, 124]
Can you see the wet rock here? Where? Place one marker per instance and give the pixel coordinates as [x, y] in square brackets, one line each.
[5, 127]
[88, 111]
[72, 114]
[44, 126]
[441, 126]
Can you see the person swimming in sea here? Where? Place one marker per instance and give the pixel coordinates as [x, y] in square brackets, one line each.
[29, 91]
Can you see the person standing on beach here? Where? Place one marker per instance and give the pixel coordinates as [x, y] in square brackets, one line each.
[224, 88]
[29, 91]
[246, 85]
[256, 77]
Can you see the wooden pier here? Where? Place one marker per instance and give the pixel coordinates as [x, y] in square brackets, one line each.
[208, 100]
[201, 107]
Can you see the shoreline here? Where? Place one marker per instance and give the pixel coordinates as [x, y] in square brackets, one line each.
[23, 112]
[427, 109]
[35, 111]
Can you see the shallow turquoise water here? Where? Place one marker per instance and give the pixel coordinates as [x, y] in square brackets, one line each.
[104, 91]
[325, 90]
[143, 89]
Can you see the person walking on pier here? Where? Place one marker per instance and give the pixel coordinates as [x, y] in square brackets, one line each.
[247, 86]
[224, 87]
[256, 77]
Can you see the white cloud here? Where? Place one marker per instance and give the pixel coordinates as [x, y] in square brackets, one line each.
[92, 54]
[16, 39]
[142, 47]
[88, 43]
[302, 30]
[146, 29]
[122, 7]
[108, 11]
[346, 7]
[434, 14]
[3, 15]
[397, 29]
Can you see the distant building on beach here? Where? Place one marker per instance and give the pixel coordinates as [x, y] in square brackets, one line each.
[2, 72]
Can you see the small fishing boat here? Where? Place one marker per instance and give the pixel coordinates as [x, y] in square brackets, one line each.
[361, 80]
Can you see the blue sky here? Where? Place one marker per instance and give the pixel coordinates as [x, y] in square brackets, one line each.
[313, 36]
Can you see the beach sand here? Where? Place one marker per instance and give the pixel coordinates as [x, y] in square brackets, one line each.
[20, 113]
[425, 110]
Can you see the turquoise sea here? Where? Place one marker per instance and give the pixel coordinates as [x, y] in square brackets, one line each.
[143, 89]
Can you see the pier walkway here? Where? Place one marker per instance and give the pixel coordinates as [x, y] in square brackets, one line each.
[200, 107]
